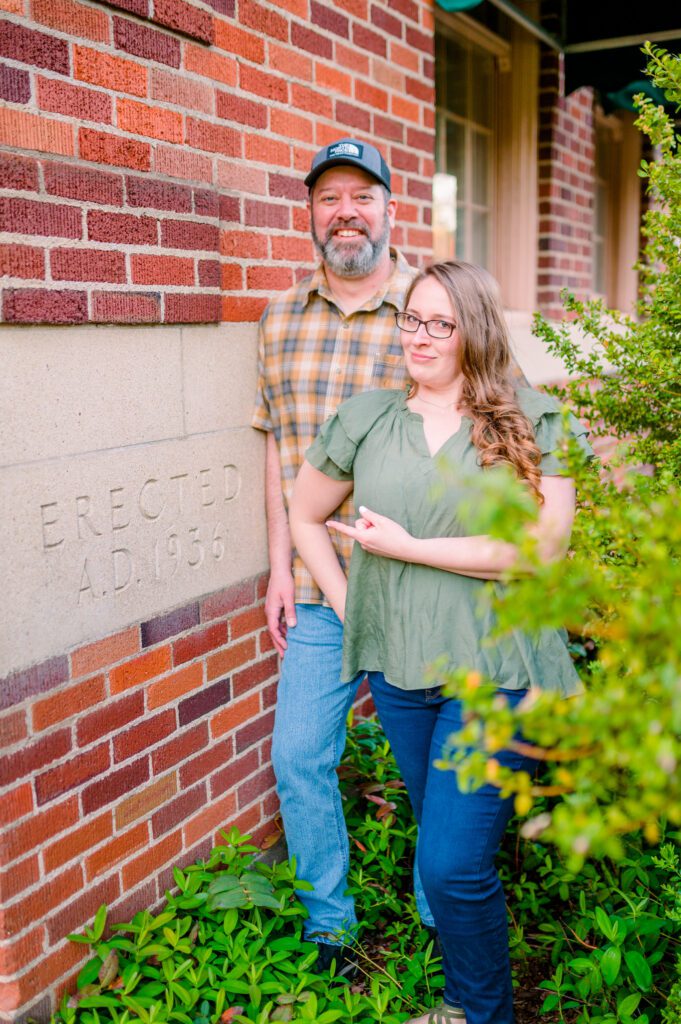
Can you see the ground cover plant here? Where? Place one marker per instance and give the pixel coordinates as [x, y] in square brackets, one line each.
[227, 945]
[596, 946]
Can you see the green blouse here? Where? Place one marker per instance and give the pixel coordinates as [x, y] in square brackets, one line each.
[401, 616]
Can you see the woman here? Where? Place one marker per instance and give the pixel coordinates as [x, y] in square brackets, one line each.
[415, 582]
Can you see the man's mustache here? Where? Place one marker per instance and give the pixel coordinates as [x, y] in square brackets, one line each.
[355, 225]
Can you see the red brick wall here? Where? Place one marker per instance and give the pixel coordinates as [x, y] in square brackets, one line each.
[155, 149]
[566, 188]
[121, 759]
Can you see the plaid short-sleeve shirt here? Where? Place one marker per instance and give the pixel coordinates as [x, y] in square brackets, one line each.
[311, 358]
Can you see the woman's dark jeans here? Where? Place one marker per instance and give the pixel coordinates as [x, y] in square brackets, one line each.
[459, 837]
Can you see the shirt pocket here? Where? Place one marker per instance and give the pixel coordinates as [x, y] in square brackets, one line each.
[389, 372]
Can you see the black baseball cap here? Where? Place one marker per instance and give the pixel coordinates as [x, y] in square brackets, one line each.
[354, 153]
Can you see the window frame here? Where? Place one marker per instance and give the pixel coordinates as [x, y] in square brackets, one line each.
[467, 33]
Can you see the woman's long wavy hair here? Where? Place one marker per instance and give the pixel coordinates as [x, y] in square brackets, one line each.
[501, 432]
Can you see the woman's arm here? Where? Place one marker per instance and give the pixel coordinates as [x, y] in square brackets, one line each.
[482, 557]
[315, 498]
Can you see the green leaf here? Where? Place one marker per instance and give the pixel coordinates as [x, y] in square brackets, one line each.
[89, 973]
[626, 1006]
[603, 922]
[610, 964]
[230, 921]
[228, 900]
[101, 1001]
[264, 900]
[151, 988]
[649, 926]
[224, 883]
[182, 992]
[191, 902]
[163, 919]
[253, 879]
[285, 943]
[155, 949]
[580, 965]
[235, 985]
[100, 921]
[639, 968]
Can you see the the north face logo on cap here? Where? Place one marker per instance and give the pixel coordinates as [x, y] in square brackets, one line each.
[344, 149]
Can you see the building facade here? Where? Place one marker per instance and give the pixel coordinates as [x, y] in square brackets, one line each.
[152, 202]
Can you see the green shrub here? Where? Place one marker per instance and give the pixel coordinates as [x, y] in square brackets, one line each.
[611, 785]
[612, 757]
[227, 944]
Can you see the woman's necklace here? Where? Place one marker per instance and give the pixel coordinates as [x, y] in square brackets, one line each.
[449, 405]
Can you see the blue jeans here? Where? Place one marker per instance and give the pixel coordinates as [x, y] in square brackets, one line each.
[309, 739]
[459, 837]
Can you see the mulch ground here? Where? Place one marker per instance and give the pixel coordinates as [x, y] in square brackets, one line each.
[529, 997]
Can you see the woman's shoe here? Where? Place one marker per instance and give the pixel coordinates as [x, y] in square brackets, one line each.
[442, 1014]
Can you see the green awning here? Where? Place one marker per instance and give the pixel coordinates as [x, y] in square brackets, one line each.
[458, 5]
[623, 99]
[601, 42]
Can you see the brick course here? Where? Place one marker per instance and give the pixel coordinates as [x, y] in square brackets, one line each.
[24, 44]
[185, 91]
[15, 85]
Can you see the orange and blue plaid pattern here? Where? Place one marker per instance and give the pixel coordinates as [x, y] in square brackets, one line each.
[311, 358]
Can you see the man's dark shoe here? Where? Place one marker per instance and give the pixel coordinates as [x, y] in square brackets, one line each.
[346, 964]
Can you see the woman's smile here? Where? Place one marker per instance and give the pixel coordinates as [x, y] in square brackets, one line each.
[438, 358]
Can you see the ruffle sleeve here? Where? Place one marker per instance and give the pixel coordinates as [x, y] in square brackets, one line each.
[333, 450]
[546, 415]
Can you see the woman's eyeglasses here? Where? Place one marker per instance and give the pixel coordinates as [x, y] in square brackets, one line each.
[435, 328]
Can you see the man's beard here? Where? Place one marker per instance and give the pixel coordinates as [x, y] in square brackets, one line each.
[359, 258]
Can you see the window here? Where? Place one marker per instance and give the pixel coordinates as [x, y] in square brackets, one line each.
[617, 210]
[464, 184]
[485, 191]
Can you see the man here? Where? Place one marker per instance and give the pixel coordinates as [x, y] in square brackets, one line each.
[325, 339]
